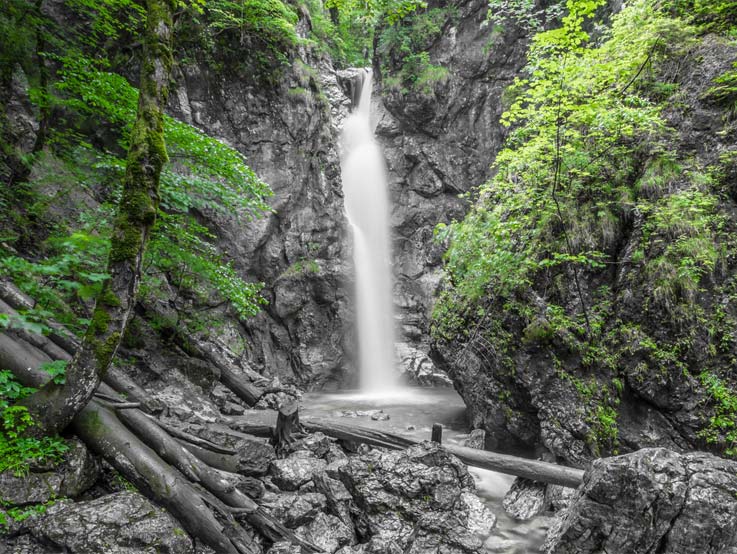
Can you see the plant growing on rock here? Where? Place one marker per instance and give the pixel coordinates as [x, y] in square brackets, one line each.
[595, 226]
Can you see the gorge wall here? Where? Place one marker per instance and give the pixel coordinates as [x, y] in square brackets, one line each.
[651, 362]
[439, 139]
[438, 142]
[289, 135]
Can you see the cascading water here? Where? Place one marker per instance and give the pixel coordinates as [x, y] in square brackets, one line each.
[367, 209]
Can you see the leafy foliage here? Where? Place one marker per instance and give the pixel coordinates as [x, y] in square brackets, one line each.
[403, 48]
[16, 451]
[346, 31]
[256, 37]
[525, 14]
[22, 513]
[723, 425]
[206, 175]
[70, 275]
[589, 159]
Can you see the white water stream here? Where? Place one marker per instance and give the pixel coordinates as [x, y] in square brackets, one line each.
[411, 411]
[367, 209]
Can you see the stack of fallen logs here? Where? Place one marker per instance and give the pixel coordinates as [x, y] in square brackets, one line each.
[168, 465]
[189, 475]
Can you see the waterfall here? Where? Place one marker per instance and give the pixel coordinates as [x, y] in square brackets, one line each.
[367, 210]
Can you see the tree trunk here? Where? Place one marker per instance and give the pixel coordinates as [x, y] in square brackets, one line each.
[101, 430]
[54, 406]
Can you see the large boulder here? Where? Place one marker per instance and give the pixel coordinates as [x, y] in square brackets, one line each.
[420, 500]
[120, 523]
[651, 501]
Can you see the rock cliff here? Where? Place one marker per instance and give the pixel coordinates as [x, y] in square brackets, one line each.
[659, 375]
[439, 139]
[289, 135]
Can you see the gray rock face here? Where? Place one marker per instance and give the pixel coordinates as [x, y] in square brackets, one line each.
[516, 391]
[121, 523]
[294, 510]
[327, 532]
[651, 501]
[72, 477]
[420, 500]
[288, 133]
[438, 144]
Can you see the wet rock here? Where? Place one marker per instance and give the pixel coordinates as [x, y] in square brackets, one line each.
[418, 369]
[294, 510]
[120, 523]
[525, 499]
[480, 519]
[558, 498]
[476, 439]
[74, 475]
[318, 444]
[293, 472]
[338, 498]
[327, 532]
[254, 457]
[335, 454]
[25, 544]
[417, 500]
[653, 500]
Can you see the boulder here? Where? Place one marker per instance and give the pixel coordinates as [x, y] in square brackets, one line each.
[525, 499]
[651, 501]
[420, 500]
[120, 523]
[327, 532]
[339, 500]
[294, 510]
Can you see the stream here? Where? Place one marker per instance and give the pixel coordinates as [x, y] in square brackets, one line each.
[412, 413]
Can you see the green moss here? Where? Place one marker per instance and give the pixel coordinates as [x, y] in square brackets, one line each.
[105, 350]
[99, 322]
[302, 267]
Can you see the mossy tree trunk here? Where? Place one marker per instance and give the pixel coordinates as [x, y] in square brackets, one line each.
[54, 406]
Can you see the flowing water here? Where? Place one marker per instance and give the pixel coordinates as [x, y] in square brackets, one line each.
[412, 415]
[367, 210]
[412, 411]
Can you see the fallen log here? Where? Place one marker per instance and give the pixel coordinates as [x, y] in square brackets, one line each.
[140, 465]
[58, 345]
[484, 459]
[149, 457]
